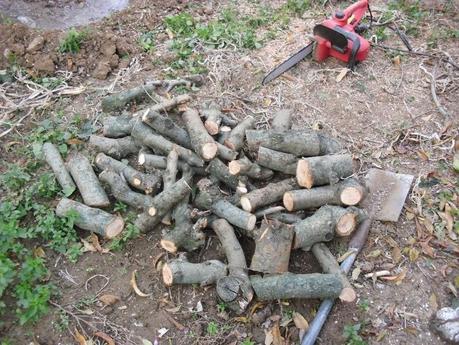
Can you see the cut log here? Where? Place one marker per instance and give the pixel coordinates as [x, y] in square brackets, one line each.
[324, 223]
[201, 141]
[180, 271]
[147, 136]
[116, 148]
[348, 192]
[185, 235]
[213, 117]
[150, 161]
[279, 161]
[91, 219]
[268, 211]
[225, 152]
[287, 218]
[329, 265]
[318, 171]
[245, 167]
[169, 178]
[86, 180]
[165, 126]
[169, 104]
[138, 94]
[297, 142]
[267, 195]
[149, 183]
[328, 145]
[118, 126]
[55, 161]
[220, 171]
[234, 215]
[123, 193]
[282, 120]
[289, 285]
[235, 141]
[240, 294]
[162, 203]
[224, 134]
[229, 121]
[273, 244]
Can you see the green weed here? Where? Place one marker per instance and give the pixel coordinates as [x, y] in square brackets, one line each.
[221, 307]
[247, 341]
[130, 232]
[147, 41]
[351, 333]
[298, 7]
[364, 305]
[72, 41]
[212, 328]
[120, 207]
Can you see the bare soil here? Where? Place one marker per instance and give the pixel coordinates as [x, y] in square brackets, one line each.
[383, 112]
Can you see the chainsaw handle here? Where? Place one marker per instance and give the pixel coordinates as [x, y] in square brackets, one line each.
[356, 10]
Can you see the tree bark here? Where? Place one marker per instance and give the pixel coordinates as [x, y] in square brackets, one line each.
[168, 104]
[90, 189]
[116, 148]
[180, 271]
[91, 219]
[267, 195]
[297, 142]
[242, 293]
[328, 145]
[162, 203]
[279, 161]
[118, 126]
[269, 211]
[287, 218]
[157, 142]
[329, 265]
[123, 193]
[201, 141]
[235, 141]
[289, 285]
[348, 192]
[225, 152]
[138, 94]
[213, 117]
[318, 171]
[225, 132]
[273, 244]
[149, 183]
[169, 178]
[282, 120]
[55, 161]
[220, 171]
[150, 161]
[165, 126]
[245, 167]
[234, 215]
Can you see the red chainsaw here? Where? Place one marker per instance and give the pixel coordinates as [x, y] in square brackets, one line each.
[338, 37]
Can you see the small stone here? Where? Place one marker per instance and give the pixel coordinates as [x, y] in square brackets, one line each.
[44, 64]
[102, 70]
[18, 49]
[367, 266]
[27, 21]
[36, 44]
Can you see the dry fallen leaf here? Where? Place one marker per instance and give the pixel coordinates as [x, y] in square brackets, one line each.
[433, 302]
[423, 155]
[374, 253]
[427, 249]
[413, 254]
[277, 338]
[397, 279]
[109, 299]
[300, 321]
[396, 255]
[269, 337]
[88, 247]
[95, 242]
[135, 287]
[80, 338]
[342, 74]
[105, 337]
[39, 252]
[355, 273]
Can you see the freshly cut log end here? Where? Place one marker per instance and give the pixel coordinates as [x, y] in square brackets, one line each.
[209, 151]
[170, 247]
[351, 196]
[251, 222]
[234, 167]
[346, 224]
[114, 228]
[303, 173]
[348, 295]
[141, 158]
[168, 277]
[180, 271]
[245, 203]
[212, 127]
[152, 211]
[288, 201]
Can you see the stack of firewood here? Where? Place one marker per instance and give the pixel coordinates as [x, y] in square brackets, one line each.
[284, 188]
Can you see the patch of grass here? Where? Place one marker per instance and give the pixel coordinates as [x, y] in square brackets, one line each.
[221, 307]
[49, 82]
[297, 7]
[72, 41]
[439, 34]
[364, 305]
[351, 333]
[247, 341]
[147, 41]
[212, 328]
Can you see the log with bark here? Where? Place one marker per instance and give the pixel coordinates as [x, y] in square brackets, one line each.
[273, 244]
[282, 120]
[279, 161]
[149, 138]
[151, 161]
[324, 224]
[165, 126]
[149, 183]
[181, 271]
[245, 167]
[201, 141]
[118, 101]
[235, 288]
[213, 117]
[122, 192]
[267, 195]
[289, 285]
[224, 134]
[235, 141]
[86, 180]
[329, 265]
[220, 171]
[169, 178]
[163, 203]
[118, 126]
[116, 148]
[91, 219]
[318, 171]
[55, 161]
[287, 218]
[348, 192]
[225, 152]
[168, 104]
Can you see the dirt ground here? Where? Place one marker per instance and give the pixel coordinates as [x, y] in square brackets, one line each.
[383, 113]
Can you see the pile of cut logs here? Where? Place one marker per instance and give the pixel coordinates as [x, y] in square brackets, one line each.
[284, 188]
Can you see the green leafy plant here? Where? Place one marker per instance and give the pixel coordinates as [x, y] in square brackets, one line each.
[120, 207]
[221, 307]
[72, 41]
[364, 305]
[298, 7]
[351, 333]
[147, 41]
[129, 232]
[212, 328]
[247, 341]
